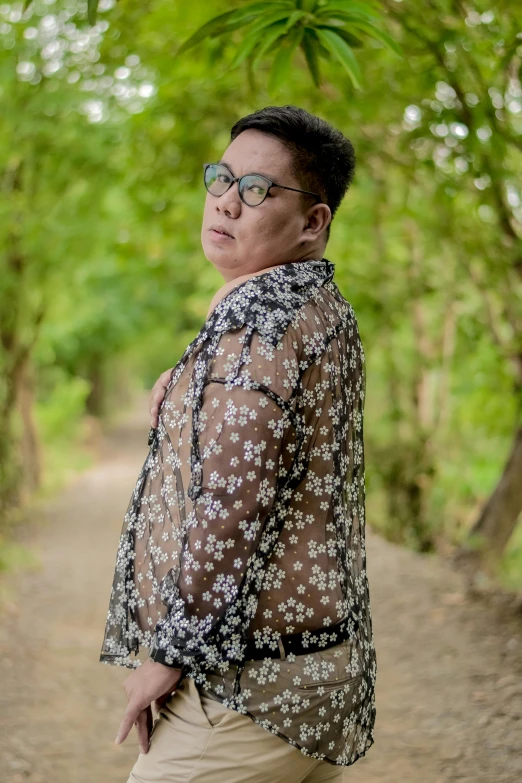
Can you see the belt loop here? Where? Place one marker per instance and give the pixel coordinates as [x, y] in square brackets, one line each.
[281, 648]
[237, 678]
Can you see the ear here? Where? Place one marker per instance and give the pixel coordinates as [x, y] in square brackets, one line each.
[317, 219]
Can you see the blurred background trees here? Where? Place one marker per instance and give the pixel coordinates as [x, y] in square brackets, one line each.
[103, 281]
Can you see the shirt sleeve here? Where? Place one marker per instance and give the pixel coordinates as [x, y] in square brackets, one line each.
[241, 436]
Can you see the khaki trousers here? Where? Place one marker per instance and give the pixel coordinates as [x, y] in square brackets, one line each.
[196, 739]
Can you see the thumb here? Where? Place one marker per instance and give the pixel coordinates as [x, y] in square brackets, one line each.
[161, 701]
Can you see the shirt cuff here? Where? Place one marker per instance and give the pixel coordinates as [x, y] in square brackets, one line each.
[165, 657]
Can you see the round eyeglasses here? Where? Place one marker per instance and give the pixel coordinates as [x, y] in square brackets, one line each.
[252, 188]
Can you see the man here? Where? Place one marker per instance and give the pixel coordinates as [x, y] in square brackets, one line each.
[242, 562]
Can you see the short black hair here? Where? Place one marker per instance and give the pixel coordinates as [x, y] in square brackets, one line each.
[324, 158]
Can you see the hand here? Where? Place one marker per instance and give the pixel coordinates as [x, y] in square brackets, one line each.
[150, 682]
[157, 394]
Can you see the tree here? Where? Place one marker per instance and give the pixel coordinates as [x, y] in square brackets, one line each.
[427, 241]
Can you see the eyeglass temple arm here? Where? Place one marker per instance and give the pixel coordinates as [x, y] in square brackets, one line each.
[296, 190]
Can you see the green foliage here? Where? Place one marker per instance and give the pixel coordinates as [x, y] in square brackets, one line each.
[342, 51]
[102, 278]
[68, 437]
[14, 556]
[510, 570]
[64, 406]
[319, 29]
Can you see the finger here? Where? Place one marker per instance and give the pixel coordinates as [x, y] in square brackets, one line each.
[143, 726]
[158, 394]
[130, 715]
[157, 391]
[161, 701]
[165, 377]
[158, 398]
[155, 402]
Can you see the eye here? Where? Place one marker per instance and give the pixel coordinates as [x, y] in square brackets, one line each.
[257, 187]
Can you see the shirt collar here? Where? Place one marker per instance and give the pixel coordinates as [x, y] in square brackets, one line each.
[269, 301]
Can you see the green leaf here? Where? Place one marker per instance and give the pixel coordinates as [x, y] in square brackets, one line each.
[321, 50]
[231, 20]
[92, 9]
[340, 49]
[380, 35]
[295, 17]
[307, 5]
[343, 17]
[27, 3]
[283, 58]
[361, 15]
[362, 9]
[224, 23]
[349, 37]
[309, 47]
[245, 50]
[257, 33]
[269, 39]
[269, 19]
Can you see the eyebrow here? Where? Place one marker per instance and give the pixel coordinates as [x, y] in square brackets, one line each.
[256, 172]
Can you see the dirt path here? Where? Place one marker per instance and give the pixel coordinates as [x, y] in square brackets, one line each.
[449, 693]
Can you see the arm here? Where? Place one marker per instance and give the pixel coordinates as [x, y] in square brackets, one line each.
[241, 438]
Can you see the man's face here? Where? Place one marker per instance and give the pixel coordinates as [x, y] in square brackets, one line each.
[281, 229]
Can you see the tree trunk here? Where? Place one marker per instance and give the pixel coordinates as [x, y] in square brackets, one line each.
[491, 532]
[29, 444]
[19, 328]
[95, 403]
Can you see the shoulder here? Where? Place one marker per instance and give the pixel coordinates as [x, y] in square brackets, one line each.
[245, 357]
[271, 331]
[269, 302]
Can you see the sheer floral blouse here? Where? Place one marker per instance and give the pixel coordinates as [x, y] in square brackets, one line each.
[247, 520]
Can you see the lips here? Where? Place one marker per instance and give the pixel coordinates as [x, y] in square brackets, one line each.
[221, 230]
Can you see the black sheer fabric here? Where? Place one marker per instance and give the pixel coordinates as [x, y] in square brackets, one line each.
[247, 520]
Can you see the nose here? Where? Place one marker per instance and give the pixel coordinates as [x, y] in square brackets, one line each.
[229, 203]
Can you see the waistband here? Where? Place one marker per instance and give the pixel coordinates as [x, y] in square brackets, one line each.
[304, 642]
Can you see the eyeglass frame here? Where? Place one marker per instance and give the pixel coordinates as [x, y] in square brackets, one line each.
[271, 184]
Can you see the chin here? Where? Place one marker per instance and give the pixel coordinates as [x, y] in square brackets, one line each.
[219, 257]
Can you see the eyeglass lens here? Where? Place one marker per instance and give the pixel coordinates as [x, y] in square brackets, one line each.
[253, 188]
